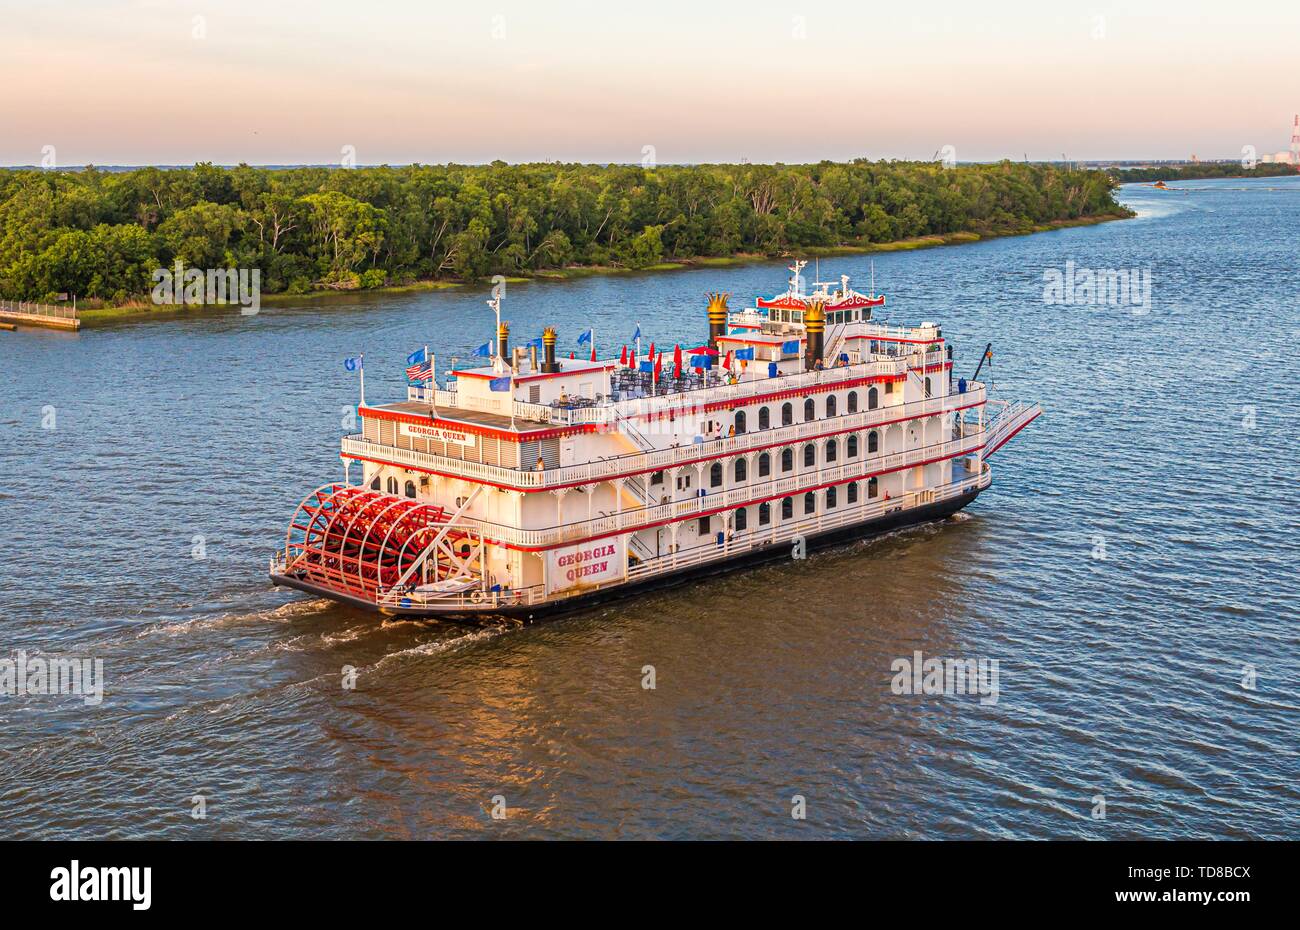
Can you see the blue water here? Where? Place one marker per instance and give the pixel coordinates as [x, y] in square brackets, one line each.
[1168, 446]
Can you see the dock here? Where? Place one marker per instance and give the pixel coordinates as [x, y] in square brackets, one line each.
[33, 314]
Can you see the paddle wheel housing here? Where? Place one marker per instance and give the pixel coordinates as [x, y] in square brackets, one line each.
[365, 543]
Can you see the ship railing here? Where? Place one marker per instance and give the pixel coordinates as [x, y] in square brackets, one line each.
[684, 509]
[603, 469]
[759, 537]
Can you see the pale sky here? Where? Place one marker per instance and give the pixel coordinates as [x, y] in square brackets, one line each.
[295, 81]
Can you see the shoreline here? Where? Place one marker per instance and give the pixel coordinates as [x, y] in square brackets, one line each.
[141, 310]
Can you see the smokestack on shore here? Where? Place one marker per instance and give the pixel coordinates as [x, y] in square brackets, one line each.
[814, 323]
[717, 317]
[548, 348]
[503, 343]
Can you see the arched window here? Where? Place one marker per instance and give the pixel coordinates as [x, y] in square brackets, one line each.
[787, 414]
[830, 498]
[853, 493]
[927, 387]
[831, 405]
[742, 470]
[764, 513]
[787, 508]
[832, 450]
[764, 465]
[853, 402]
[740, 422]
[374, 485]
[873, 399]
[809, 410]
[392, 485]
[787, 459]
[809, 455]
[810, 502]
[410, 489]
[764, 418]
[715, 475]
[742, 520]
[851, 446]
[873, 488]
[873, 442]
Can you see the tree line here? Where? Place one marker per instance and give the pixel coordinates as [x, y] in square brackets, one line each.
[1201, 171]
[100, 234]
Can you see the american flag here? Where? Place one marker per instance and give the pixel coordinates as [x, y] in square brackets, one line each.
[423, 371]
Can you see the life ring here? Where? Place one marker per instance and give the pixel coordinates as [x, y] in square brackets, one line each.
[476, 597]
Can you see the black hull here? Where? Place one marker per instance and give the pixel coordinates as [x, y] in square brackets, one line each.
[758, 556]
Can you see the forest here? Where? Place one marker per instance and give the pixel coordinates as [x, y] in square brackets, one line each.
[99, 234]
[1201, 171]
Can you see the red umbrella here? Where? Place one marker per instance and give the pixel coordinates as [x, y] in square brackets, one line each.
[652, 350]
[726, 362]
[593, 351]
[703, 350]
[622, 359]
[572, 355]
[677, 361]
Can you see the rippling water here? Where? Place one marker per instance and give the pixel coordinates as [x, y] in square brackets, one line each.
[1120, 677]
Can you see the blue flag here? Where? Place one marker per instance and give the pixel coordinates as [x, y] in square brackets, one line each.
[536, 343]
[485, 349]
[701, 361]
[646, 365]
[500, 384]
[352, 363]
[584, 336]
[637, 335]
[416, 357]
[791, 347]
[746, 355]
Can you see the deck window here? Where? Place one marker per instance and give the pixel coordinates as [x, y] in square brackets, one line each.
[809, 410]
[831, 405]
[410, 489]
[715, 475]
[704, 526]
[764, 513]
[809, 455]
[764, 465]
[810, 503]
[873, 488]
[830, 498]
[853, 493]
[873, 398]
[741, 470]
[392, 485]
[873, 442]
[742, 520]
[764, 418]
[832, 450]
[787, 508]
[787, 414]
[853, 402]
[851, 447]
[740, 422]
[787, 459]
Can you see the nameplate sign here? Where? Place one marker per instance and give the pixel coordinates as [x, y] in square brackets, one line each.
[436, 433]
[586, 564]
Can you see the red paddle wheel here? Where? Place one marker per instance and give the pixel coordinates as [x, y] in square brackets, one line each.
[361, 542]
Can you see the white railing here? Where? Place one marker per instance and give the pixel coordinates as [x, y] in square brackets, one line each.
[686, 508]
[605, 469]
[1008, 419]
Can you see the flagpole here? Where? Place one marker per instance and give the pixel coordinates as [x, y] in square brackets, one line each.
[362, 367]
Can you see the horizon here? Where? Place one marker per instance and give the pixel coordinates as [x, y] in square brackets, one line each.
[132, 83]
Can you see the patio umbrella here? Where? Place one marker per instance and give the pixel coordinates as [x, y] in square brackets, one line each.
[622, 359]
[702, 350]
[677, 360]
[726, 362]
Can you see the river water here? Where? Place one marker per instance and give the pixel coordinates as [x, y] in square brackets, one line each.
[1132, 571]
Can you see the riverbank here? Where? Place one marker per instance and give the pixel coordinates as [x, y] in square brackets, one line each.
[139, 309]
